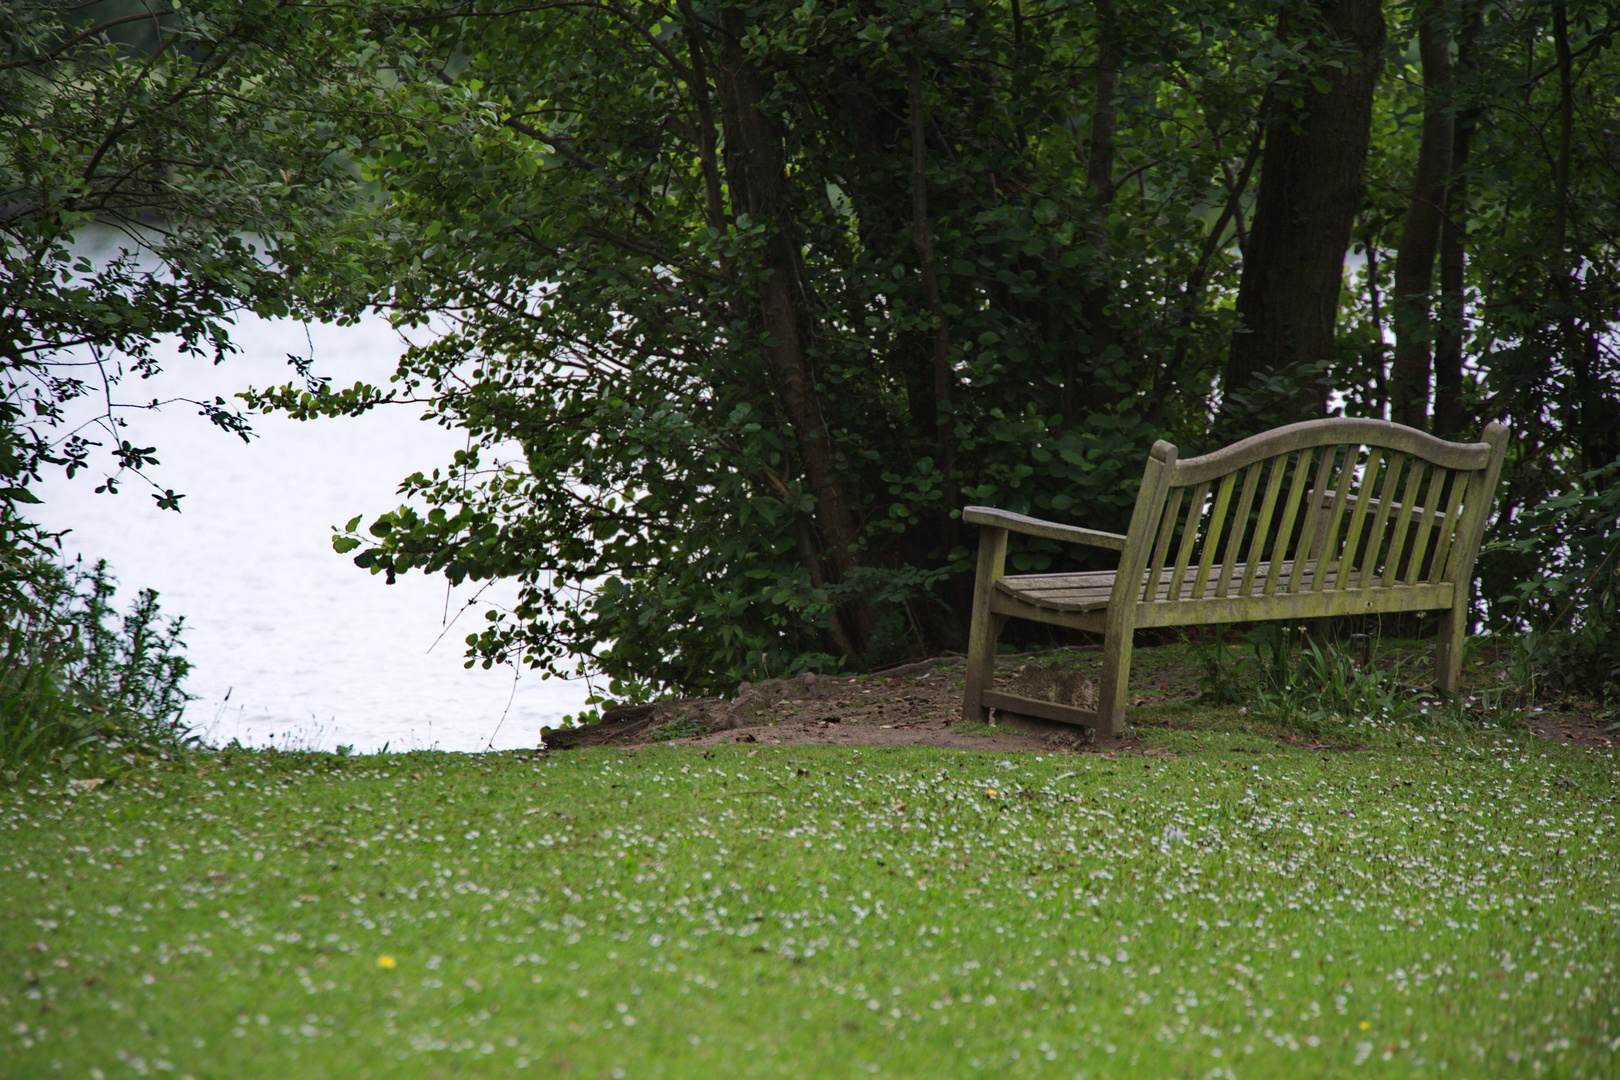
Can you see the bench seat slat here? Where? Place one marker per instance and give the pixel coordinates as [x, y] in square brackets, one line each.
[1082, 604]
[1090, 591]
[1306, 605]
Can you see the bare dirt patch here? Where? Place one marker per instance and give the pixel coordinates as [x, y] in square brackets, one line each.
[920, 704]
[1573, 727]
[916, 705]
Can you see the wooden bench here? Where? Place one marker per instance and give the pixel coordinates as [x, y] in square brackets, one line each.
[1326, 517]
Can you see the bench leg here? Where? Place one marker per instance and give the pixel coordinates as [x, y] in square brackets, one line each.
[1114, 682]
[985, 626]
[1448, 646]
[981, 669]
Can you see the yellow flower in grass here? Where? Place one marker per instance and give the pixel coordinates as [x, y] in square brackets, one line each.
[1365, 1024]
[387, 963]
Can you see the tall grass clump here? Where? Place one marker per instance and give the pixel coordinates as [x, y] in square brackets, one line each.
[1327, 687]
[79, 681]
[1320, 685]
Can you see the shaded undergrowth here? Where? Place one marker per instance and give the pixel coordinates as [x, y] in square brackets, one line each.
[80, 683]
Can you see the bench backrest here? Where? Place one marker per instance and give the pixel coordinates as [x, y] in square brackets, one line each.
[1321, 506]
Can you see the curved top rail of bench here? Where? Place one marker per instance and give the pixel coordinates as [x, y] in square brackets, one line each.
[1335, 432]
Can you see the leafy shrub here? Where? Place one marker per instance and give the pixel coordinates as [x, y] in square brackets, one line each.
[79, 681]
[1555, 572]
[629, 690]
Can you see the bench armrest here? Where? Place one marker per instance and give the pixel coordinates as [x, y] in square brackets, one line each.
[1051, 530]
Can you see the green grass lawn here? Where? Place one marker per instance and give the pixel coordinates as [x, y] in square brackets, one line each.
[1443, 909]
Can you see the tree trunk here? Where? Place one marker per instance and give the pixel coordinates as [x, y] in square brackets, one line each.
[1096, 395]
[755, 177]
[1310, 188]
[1594, 411]
[708, 160]
[1449, 414]
[944, 378]
[1566, 123]
[1420, 230]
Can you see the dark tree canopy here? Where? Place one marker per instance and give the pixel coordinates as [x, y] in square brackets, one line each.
[746, 301]
[765, 293]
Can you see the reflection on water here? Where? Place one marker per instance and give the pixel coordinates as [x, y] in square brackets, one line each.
[308, 647]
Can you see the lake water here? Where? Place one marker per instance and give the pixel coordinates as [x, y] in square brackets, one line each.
[290, 642]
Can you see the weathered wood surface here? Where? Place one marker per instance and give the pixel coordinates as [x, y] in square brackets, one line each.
[1006, 519]
[1326, 517]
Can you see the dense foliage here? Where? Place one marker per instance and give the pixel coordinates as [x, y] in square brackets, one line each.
[764, 296]
[1565, 555]
[746, 301]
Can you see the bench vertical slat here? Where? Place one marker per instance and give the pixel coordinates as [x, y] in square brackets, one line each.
[1476, 506]
[1448, 529]
[1431, 509]
[1119, 619]
[1375, 539]
[1313, 514]
[1328, 545]
[1403, 524]
[1161, 550]
[1262, 523]
[1232, 550]
[1358, 519]
[1285, 528]
[1189, 537]
[1459, 567]
[1217, 517]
